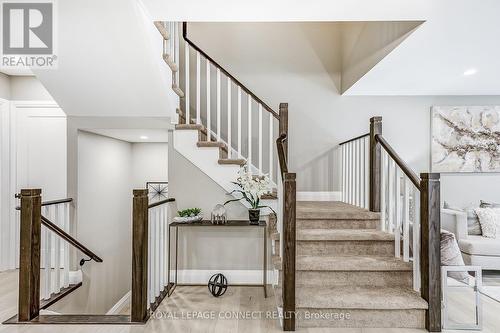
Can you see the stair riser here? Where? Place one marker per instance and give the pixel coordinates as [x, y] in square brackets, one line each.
[361, 318]
[353, 278]
[337, 224]
[346, 248]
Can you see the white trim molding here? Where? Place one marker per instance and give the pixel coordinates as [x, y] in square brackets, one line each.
[121, 304]
[319, 196]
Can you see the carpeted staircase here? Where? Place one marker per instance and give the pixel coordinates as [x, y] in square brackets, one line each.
[346, 272]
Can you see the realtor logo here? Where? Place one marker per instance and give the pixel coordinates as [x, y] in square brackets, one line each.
[28, 34]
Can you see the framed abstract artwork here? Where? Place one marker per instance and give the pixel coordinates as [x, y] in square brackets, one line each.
[465, 139]
[157, 191]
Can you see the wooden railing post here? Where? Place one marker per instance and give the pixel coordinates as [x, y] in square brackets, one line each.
[283, 126]
[289, 251]
[430, 251]
[29, 254]
[375, 164]
[139, 306]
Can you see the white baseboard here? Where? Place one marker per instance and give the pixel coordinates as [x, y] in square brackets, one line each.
[201, 276]
[120, 305]
[319, 196]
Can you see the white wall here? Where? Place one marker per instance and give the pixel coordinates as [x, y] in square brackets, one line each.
[149, 163]
[319, 116]
[104, 204]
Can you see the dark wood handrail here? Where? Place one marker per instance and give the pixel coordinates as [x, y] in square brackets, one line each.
[415, 179]
[160, 202]
[245, 89]
[281, 154]
[67, 237]
[52, 202]
[354, 139]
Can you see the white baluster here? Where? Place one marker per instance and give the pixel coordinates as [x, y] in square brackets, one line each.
[249, 161]
[397, 207]
[186, 78]
[198, 88]
[209, 120]
[161, 248]
[349, 173]
[150, 256]
[367, 172]
[342, 152]
[383, 179]
[416, 240]
[57, 251]
[390, 196]
[406, 219]
[271, 145]
[157, 253]
[357, 165]
[48, 259]
[66, 246]
[165, 242]
[218, 105]
[239, 122]
[260, 138]
[229, 122]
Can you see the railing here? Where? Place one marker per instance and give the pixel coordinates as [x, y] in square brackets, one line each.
[287, 223]
[355, 171]
[44, 254]
[150, 282]
[229, 112]
[409, 206]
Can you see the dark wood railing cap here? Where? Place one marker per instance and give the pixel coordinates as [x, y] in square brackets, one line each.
[140, 192]
[162, 202]
[31, 192]
[430, 175]
[354, 139]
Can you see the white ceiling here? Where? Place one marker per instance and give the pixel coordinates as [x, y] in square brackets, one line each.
[457, 35]
[134, 135]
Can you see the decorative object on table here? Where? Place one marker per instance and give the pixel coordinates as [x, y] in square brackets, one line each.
[189, 215]
[219, 215]
[217, 285]
[465, 139]
[489, 218]
[157, 191]
[251, 187]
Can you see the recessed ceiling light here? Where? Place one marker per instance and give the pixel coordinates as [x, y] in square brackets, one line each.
[143, 137]
[470, 71]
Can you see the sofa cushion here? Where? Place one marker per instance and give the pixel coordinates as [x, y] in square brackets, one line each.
[479, 245]
[490, 221]
[485, 204]
[451, 256]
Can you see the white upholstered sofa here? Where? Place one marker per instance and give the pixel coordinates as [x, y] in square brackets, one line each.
[476, 250]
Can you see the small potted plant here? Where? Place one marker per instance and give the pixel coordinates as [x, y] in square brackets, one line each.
[251, 189]
[188, 215]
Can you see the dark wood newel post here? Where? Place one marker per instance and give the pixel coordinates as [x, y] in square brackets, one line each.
[289, 251]
[283, 126]
[430, 251]
[139, 306]
[375, 164]
[29, 254]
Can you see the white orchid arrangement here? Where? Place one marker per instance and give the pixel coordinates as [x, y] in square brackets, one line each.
[251, 187]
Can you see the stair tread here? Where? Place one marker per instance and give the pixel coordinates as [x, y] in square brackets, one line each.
[188, 127]
[333, 210]
[343, 235]
[237, 161]
[354, 297]
[348, 263]
[211, 144]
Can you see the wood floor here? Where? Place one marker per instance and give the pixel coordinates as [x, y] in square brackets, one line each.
[186, 299]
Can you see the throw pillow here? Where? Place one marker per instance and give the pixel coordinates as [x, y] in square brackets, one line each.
[451, 255]
[490, 221]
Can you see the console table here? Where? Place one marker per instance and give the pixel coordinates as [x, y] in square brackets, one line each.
[229, 224]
